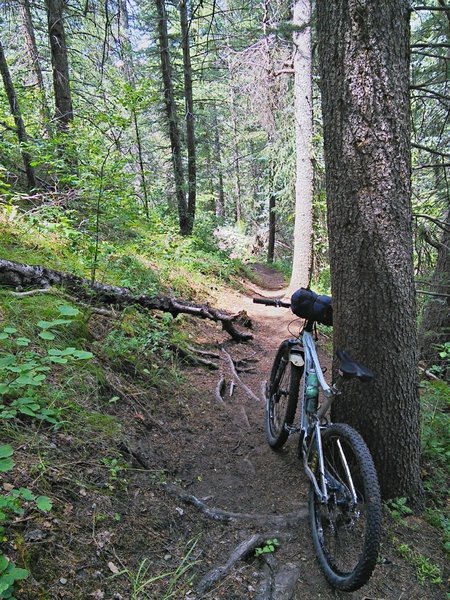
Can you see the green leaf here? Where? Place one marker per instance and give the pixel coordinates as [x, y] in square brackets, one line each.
[24, 380]
[6, 451]
[44, 324]
[4, 562]
[10, 330]
[18, 573]
[7, 360]
[5, 582]
[68, 311]
[26, 410]
[47, 335]
[68, 351]
[44, 503]
[26, 494]
[58, 360]
[23, 341]
[4, 387]
[6, 464]
[54, 352]
[3, 336]
[82, 354]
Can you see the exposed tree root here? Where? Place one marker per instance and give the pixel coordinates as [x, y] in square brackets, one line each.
[217, 514]
[22, 276]
[220, 390]
[278, 584]
[238, 553]
[237, 379]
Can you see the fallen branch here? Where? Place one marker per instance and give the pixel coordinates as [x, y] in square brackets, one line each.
[22, 276]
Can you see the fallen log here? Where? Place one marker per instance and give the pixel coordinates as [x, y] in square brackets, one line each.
[22, 276]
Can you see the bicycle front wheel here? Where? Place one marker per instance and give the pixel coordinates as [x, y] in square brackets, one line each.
[281, 397]
[346, 530]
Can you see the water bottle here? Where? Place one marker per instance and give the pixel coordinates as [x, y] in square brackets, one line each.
[312, 392]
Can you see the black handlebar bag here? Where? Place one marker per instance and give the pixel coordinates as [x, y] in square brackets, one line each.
[309, 305]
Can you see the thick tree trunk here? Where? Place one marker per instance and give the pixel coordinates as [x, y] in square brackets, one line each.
[18, 120]
[190, 117]
[60, 64]
[23, 276]
[364, 63]
[301, 261]
[172, 117]
[435, 325]
[30, 39]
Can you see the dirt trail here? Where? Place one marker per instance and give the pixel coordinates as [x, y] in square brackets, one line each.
[194, 487]
[225, 464]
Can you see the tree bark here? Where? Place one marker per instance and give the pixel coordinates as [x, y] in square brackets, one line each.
[301, 261]
[190, 117]
[33, 54]
[364, 65]
[172, 117]
[18, 120]
[23, 275]
[60, 64]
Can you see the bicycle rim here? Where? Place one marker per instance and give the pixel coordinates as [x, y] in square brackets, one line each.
[346, 530]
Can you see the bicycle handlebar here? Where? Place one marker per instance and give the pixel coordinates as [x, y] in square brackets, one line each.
[272, 302]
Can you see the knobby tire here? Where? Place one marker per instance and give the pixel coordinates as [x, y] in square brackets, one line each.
[281, 397]
[346, 537]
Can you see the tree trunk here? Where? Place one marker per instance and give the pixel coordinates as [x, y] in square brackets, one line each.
[435, 325]
[18, 120]
[190, 118]
[237, 165]
[128, 68]
[60, 64]
[172, 117]
[272, 229]
[30, 39]
[220, 196]
[364, 64]
[301, 261]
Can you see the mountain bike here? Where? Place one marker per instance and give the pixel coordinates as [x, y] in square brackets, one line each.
[344, 497]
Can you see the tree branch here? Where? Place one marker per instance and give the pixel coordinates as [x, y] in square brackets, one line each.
[23, 276]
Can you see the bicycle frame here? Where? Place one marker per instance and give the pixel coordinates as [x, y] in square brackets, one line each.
[310, 441]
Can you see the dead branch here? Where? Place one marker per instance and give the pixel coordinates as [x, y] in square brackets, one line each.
[21, 275]
[99, 311]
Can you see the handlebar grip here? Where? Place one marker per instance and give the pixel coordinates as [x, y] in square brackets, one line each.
[271, 302]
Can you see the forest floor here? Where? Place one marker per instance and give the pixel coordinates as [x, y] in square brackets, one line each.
[197, 488]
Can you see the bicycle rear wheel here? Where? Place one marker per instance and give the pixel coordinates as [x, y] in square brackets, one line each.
[346, 530]
[281, 397]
